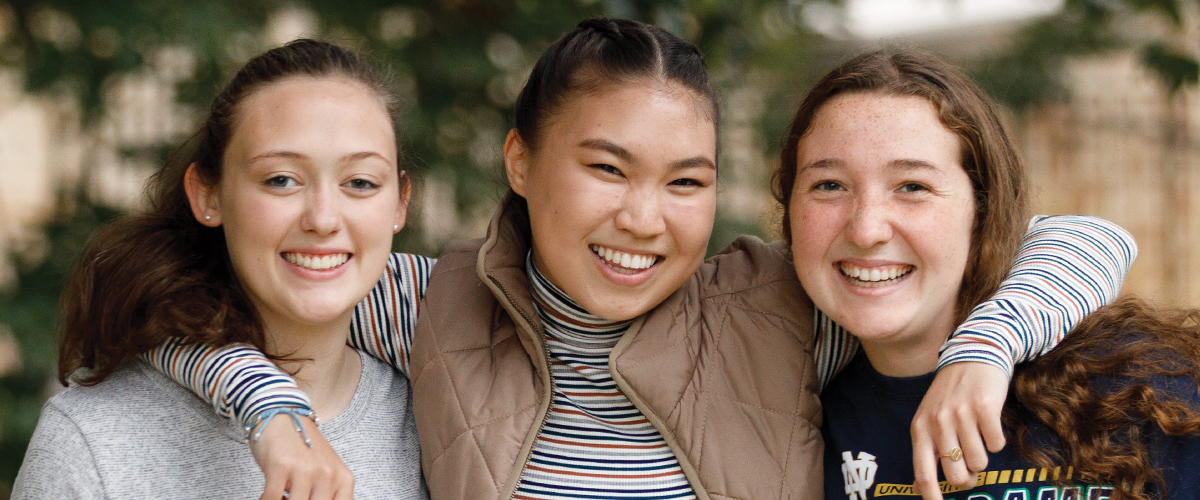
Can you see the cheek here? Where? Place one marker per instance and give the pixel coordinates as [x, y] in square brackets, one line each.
[814, 227]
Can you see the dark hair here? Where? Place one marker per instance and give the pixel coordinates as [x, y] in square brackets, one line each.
[601, 51]
[1123, 370]
[988, 156]
[148, 277]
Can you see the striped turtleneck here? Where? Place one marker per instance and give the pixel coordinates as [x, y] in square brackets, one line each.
[596, 443]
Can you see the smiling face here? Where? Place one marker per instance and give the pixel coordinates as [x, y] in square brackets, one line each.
[881, 217]
[309, 198]
[621, 194]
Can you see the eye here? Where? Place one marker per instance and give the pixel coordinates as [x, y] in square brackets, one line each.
[827, 186]
[687, 182]
[280, 181]
[606, 168]
[913, 187]
[360, 184]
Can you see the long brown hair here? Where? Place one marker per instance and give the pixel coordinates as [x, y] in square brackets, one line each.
[1129, 347]
[988, 156]
[1124, 369]
[159, 274]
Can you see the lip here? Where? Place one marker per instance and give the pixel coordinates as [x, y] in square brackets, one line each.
[635, 278]
[317, 274]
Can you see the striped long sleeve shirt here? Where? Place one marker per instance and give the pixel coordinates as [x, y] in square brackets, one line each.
[1067, 267]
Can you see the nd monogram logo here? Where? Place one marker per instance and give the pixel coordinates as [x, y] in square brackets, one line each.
[859, 474]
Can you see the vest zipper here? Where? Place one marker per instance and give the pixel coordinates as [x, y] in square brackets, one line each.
[549, 375]
[545, 417]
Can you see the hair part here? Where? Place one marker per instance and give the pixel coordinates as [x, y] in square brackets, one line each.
[988, 156]
[148, 277]
[600, 52]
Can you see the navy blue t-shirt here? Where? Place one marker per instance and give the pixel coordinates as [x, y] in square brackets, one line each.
[868, 449]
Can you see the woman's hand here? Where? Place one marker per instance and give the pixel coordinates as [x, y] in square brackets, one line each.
[963, 403]
[294, 469]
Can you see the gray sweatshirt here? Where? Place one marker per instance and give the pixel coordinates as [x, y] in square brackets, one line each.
[139, 435]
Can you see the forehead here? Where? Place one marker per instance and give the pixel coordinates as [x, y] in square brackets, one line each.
[645, 113]
[310, 112]
[872, 128]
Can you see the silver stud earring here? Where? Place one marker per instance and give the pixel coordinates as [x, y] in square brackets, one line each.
[207, 217]
[396, 227]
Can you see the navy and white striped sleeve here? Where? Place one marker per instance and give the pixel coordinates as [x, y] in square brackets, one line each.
[383, 323]
[1068, 267]
[237, 379]
[241, 383]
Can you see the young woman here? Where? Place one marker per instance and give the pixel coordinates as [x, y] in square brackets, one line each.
[897, 166]
[278, 225]
[585, 348]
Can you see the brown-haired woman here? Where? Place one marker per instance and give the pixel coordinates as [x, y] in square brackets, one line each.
[585, 347]
[896, 164]
[277, 226]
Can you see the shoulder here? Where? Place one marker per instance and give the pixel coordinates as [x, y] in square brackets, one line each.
[757, 273]
[58, 462]
[746, 263]
[129, 388]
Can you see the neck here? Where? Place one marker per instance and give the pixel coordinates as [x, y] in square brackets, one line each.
[323, 365]
[907, 357]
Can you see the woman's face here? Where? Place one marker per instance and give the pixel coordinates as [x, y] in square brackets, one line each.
[881, 214]
[621, 194]
[309, 199]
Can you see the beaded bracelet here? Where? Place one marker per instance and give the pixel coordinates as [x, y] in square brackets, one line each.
[264, 418]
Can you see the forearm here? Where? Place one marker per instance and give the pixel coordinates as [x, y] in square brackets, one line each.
[237, 380]
[1067, 267]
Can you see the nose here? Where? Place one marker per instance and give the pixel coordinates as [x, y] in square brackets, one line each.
[322, 213]
[641, 214]
[871, 222]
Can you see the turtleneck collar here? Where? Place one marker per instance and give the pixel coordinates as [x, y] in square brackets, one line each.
[567, 321]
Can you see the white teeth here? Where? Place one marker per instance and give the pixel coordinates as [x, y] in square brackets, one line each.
[317, 262]
[874, 277]
[624, 262]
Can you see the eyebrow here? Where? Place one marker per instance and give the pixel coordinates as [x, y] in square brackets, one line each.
[292, 155]
[902, 164]
[624, 154]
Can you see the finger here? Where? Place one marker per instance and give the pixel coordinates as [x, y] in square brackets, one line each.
[974, 455]
[300, 487]
[993, 432]
[345, 491]
[947, 440]
[924, 462]
[323, 489]
[275, 486]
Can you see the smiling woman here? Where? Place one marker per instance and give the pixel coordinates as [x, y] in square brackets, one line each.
[269, 235]
[584, 348]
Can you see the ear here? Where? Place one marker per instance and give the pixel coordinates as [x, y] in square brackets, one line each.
[202, 198]
[402, 208]
[516, 161]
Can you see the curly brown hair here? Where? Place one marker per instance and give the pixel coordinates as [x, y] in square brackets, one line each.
[160, 274]
[1124, 369]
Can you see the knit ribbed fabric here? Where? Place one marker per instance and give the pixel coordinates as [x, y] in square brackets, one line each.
[595, 443]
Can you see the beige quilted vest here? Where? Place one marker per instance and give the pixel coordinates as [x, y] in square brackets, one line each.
[723, 368]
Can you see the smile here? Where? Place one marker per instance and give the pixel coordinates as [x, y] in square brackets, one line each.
[316, 262]
[874, 276]
[623, 262]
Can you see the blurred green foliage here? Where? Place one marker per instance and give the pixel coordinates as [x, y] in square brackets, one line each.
[457, 65]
